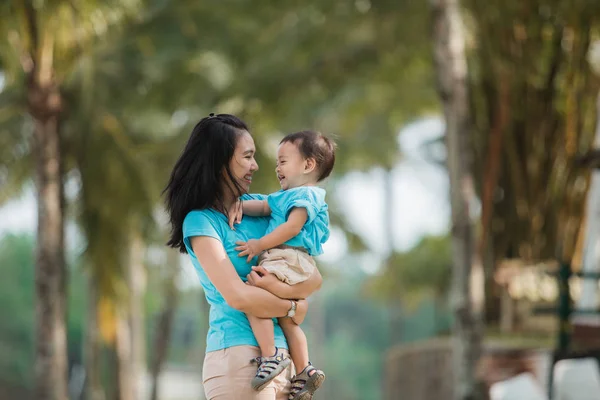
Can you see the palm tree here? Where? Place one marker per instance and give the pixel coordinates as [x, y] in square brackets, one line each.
[42, 44]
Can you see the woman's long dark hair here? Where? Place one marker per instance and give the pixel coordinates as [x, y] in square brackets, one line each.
[196, 181]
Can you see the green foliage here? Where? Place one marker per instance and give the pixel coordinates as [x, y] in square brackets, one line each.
[18, 311]
[423, 271]
[348, 336]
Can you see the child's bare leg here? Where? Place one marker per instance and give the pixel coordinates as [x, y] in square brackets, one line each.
[297, 343]
[272, 361]
[264, 333]
[308, 379]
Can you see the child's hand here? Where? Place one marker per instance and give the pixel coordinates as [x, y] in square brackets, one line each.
[235, 213]
[251, 248]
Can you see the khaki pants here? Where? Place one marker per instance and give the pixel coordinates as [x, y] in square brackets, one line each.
[227, 373]
[288, 264]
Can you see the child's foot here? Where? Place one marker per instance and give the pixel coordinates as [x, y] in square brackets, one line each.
[268, 369]
[306, 383]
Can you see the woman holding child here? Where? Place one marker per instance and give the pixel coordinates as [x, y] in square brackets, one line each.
[247, 353]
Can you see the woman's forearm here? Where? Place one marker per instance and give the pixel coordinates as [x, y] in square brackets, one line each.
[246, 298]
[300, 290]
[260, 303]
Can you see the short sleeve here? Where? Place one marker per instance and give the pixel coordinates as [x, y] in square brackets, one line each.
[198, 223]
[254, 196]
[303, 198]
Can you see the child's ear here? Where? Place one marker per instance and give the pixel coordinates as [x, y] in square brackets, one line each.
[309, 165]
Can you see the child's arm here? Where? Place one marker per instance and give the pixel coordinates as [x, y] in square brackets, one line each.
[254, 208]
[281, 234]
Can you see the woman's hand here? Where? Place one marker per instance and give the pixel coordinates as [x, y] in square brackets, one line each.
[301, 310]
[263, 279]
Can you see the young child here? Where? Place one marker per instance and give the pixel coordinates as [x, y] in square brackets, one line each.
[298, 227]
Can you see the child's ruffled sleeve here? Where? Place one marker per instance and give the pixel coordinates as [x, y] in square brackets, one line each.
[303, 198]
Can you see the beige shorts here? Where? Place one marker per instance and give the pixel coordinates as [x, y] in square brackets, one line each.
[288, 264]
[227, 373]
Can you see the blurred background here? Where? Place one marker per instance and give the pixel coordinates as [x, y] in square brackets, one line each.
[97, 99]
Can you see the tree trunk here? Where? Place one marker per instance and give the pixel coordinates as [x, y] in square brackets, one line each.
[395, 306]
[451, 68]
[94, 389]
[165, 322]
[591, 257]
[45, 105]
[123, 349]
[205, 312]
[137, 287]
[318, 345]
[50, 278]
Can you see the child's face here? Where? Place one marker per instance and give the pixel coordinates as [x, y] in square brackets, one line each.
[292, 169]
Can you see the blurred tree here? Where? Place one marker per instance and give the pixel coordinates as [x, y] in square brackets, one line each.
[533, 107]
[532, 101]
[165, 322]
[451, 66]
[16, 335]
[42, 44]
[590, 259]
[423, 272]
[17, 339]
[355, 336]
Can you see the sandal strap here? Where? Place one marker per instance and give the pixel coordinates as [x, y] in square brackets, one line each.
[297, 386]
[305, 374]
[299, 381]
[266, 366]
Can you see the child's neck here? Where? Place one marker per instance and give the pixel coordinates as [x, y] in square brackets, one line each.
[305, 184]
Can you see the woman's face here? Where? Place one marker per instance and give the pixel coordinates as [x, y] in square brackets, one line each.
[243, 165]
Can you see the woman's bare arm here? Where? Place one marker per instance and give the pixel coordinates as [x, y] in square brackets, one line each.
[261, 278]
[246, 298]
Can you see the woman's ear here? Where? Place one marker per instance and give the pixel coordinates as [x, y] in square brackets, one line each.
[309, 165]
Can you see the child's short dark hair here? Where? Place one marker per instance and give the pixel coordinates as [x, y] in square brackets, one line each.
[315, 145]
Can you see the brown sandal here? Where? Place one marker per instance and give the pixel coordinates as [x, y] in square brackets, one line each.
[305, 384]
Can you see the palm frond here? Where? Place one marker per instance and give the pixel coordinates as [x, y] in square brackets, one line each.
[16, 163]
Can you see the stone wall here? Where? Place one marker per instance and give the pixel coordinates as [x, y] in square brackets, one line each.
[423, 370]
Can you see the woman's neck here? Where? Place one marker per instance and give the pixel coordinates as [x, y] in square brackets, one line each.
[228, 201]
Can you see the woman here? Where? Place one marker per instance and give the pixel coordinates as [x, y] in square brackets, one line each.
[214, 170]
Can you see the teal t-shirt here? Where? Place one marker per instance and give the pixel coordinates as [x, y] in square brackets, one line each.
[228, 327]
[315, 231]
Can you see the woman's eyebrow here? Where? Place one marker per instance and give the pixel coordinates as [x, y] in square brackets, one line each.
[249, 151]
